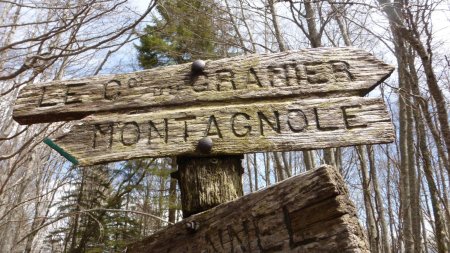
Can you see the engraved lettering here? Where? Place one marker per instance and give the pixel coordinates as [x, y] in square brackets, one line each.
[288, 224]
[286, 74]
[212, 121]
[226, 80]
[263, 122]
[252, 78]
[275, 126]
[210, 243]
[185, 119]
[300, 71]
[233, 235]
[322, 128]
[130, 133]
[291, 75]
[220, 233]
[296, 120]
[200, 83]
[348, 117]
[277, 76]
[152, 128]
[245, 224]
[341, 72]
[264, 233]
[112, 90]
[132, 82]
[70, 97]
[99, 135]
[320, 73]
[45, 97]
[246, 126]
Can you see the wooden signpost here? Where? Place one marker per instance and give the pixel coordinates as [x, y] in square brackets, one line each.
[293, 124]
[208, 114]
[322, 72]
[277, 102]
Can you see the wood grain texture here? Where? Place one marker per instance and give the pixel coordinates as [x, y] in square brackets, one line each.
[295, 124]
[206, 182]
[310, 212]
[306, 73]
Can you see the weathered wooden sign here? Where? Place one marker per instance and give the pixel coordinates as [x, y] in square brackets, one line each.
[310, 212]
[294, 124]
[275, 102]
[305, 73]
[298, 100]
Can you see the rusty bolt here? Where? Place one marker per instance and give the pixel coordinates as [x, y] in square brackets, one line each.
[198, 66]
[205, 145]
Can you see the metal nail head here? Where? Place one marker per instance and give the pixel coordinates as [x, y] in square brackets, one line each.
[192, 226]
[198, 66]
[205, 145]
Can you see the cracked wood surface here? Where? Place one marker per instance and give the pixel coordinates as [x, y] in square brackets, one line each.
[320, 72]
[310, 212]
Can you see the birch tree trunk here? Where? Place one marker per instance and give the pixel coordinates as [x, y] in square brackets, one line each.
[276, 26]
[442, 239]
[370, 219]
[378, 201]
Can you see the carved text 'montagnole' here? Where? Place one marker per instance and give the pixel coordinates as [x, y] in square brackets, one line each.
[225, 125]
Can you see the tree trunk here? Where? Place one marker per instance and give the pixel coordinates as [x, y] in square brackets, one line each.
[308, 159]
[267, 168]
[389, 200]
[405, 191]
[412, 176]
[255, 171]
[276, 26]
[235, 27]
[441, 240]
[329, 156]
[370, 219]
[278, 166]
[249, 32]
[173, 194]
[314, 35]
[378, 200]
[397, 23]
[287, 164]
[249, 172]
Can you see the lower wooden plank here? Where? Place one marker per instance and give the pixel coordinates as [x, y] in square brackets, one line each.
[310, 212]
[289, 124]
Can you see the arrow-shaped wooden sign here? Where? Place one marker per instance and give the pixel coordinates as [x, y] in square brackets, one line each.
[294, 124]
[298, 100]
[305, 73]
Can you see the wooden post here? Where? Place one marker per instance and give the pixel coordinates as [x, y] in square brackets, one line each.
[206, 182]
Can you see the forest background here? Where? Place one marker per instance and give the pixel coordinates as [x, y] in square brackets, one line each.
[401, 190]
